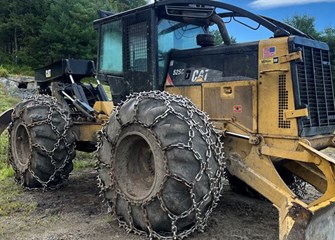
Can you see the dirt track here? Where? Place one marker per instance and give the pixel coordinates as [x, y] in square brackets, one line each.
[77, 212]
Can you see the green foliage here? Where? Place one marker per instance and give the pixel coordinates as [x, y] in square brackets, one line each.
[6, 171]
[328, 36]
[5, 103]
[3, 149]
[218, 39]
[3, 72]
[19, 29]
[304, 23]
[36, 32]
[119, 5]
[19, 70]
[68, 31]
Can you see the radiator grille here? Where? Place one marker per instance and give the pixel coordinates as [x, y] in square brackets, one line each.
[283, 102]
[315, 87]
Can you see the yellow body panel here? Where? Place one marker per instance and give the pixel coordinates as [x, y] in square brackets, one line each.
[225, 101]
[262, 113]
[105, 107]
[192, 92]
[87, 132]
[234, 101]
[275, 89]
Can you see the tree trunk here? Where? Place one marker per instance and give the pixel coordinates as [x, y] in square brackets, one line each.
[15, 46]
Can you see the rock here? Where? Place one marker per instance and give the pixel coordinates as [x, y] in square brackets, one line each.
[20, 87]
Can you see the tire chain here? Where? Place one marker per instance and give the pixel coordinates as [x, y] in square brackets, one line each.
[215, 179]
[51, 102]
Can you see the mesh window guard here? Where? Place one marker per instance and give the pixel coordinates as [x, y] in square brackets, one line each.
[137, 54]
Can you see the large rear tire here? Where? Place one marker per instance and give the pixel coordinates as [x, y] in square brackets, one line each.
[160, 165]
[41, 145]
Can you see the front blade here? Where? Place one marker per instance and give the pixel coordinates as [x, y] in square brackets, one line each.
[322, 224]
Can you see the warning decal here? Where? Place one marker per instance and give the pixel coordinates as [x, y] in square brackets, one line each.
[237, 108]
[168, 81]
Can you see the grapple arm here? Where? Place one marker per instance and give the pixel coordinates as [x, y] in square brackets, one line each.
[298, 220]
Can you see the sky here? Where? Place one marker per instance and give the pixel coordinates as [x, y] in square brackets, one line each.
[322, 10]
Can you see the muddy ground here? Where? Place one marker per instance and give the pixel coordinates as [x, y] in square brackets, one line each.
[77, 212]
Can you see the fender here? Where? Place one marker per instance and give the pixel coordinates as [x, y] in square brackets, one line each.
[5, 120]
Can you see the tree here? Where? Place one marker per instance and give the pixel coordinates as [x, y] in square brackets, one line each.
[218, 39]
[68, 31]
[37, 32]
[19, 26]
[305, 24]
[328, 36]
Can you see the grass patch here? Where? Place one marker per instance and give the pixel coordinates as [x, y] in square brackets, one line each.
[19, 70]
[3, 147]
[6, 102]
[12, 201]
[84, 160]
[6, 171]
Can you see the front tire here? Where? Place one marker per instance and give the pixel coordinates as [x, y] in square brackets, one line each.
[160, 165]
[41, 145]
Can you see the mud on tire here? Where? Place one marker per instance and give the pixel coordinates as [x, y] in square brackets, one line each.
[160, 165]
[41, 145]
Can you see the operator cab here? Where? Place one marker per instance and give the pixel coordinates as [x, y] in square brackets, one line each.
[171, 41]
